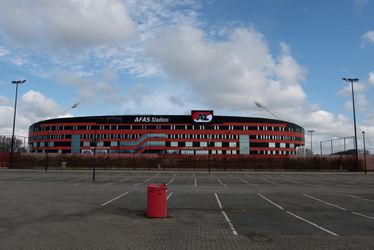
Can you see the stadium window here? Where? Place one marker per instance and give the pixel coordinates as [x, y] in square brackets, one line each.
[271, 145]
[188, 143]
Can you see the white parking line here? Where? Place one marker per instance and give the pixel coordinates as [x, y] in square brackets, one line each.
[119, 196]
[225, 216]
[313, 224]
[221, 182]
[325, 202]
[268, 181]
[363, 215]
[107, 184]
[125, 179]
[296, 216]
[170, 181]
[268, 200]
[364, 199]
[218, 201]
[244, 181]
[171, 193]
[195, 181]
[248, 176]
[147, 180]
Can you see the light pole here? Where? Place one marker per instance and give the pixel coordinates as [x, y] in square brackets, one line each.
[352, 80]
[208, 152]
[261, 106]
[311, 141]
[363, 137]
[14, 120]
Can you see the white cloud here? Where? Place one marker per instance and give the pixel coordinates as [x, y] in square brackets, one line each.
[169, 100]
[360, 4]
[17, 60]
[231, 74]
[368, 38]
[95, 88]
[371, 78]
[357, 88]
[70, 23]
[4, 52]
[3, 100]
[37, 106]
[33, 107]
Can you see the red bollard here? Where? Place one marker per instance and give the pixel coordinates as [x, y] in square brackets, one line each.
[156, 201]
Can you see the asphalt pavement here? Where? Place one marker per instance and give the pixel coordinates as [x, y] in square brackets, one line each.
[217, 210]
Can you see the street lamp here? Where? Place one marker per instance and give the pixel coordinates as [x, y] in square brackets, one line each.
[14, 120]
[363, 137]
[352, 80]
[311, 141]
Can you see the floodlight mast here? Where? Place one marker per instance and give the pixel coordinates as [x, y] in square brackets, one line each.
[14, 120]
[352, 80]
[266, 109]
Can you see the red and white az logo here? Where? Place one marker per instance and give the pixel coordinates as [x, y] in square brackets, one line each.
[202, 116]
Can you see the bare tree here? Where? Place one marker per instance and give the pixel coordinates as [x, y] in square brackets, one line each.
[5, 143]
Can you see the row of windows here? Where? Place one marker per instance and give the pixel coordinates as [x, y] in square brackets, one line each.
[227, 152]
[198, 152]
[281, 145]
[166, 127]
[171, 136]
[168, 144]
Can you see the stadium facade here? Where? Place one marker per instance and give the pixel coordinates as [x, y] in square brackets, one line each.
[201, 133]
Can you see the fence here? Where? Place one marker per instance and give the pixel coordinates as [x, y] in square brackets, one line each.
[134, 162]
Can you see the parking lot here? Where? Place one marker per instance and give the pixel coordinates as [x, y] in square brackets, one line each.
[220, 210]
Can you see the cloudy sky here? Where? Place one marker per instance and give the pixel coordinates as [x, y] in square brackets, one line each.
[118, 57]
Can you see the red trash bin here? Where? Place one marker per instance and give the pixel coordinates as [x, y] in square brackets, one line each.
[156, 201]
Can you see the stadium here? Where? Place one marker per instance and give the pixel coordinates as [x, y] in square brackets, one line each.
[200, 133]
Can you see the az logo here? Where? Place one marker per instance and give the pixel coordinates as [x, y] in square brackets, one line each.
[202, 116]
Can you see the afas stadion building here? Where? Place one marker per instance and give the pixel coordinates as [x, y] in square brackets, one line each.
[200, 133]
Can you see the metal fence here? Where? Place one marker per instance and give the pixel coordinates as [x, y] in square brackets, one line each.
[134, 162]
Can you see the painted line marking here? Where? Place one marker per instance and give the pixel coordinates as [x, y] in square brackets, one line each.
[298, 217]
[116, 198]
[230, 175]
[312, 223]
[107, 184]
[170, 181]
[357, 197]
[268, 181]
[248, 176]
[147, 180]
[292, 181]
[230, 224]
[125, 179]
[244, 181]
[221, 182]
[195, 181]
[225, 216]
[268, 200]
[363, 215]
[218, 201]
[325, 202]
[255, 185]
[171, 193]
